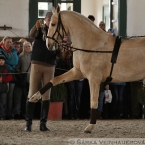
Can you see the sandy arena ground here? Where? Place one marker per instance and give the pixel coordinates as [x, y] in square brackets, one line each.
[12, 133]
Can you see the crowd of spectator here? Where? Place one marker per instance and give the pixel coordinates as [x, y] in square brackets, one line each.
[16, 56]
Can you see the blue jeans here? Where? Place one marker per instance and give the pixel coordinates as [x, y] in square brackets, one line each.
[24, 98]
[3, 98]
[17, 100]
[101, 101]
[20, 97]
[117, 100]
[74, 90]
[9, 104]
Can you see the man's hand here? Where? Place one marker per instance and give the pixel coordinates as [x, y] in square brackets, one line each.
[0, 79]
[37, 25]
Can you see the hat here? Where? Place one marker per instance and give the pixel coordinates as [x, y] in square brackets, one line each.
[48, 15]
[2, 57]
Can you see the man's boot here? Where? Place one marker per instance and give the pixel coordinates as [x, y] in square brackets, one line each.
[29, 115]
[44, 114]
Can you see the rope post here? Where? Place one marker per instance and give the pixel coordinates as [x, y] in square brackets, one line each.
[143, 111]
[5, 27]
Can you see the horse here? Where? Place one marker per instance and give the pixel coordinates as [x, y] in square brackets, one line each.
[92, 58]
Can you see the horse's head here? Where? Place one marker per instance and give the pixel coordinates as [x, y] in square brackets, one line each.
[56, 30]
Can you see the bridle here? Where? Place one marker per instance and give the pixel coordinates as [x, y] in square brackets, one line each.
[59, 27]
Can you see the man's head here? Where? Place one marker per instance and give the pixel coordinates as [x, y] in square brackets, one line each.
[92, 18]
[47, 18]
[17, 46]
[102, 25]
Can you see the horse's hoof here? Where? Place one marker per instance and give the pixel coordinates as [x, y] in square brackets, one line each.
[89, 128]
[35, 98]
[27, 128]
[87, 131]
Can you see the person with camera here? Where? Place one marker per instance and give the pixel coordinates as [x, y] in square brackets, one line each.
[42, 71]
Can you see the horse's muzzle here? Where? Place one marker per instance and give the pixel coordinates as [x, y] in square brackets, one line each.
[51, 47]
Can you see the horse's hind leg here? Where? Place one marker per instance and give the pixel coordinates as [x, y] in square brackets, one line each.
[72, 74]
[94, 92]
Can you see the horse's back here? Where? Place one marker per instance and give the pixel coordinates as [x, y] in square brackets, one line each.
[129, 65]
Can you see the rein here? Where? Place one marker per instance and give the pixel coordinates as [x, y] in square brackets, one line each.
[95, 51]
[66, 47]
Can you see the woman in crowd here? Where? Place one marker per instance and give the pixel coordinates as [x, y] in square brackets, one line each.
[22, 86]
[11, 61]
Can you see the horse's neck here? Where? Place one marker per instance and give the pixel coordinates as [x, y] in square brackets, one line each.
[111, 41]
[81, 30]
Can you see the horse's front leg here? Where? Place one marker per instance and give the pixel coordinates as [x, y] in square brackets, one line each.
[72, 74]
[94, 93]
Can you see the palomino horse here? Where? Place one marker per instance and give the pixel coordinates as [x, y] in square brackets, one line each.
[94, 66]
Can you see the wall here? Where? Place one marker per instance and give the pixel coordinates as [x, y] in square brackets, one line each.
[93, 8]
[87, 8]
[14, 13]
[98, 11]
[135, 17]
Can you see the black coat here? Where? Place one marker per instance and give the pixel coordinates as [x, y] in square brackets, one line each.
[40, 51]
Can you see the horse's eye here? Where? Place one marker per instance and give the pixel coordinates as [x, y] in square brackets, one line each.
[52, 24]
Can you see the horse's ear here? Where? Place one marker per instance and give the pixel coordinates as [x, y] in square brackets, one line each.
[58, 8]
[53, 10]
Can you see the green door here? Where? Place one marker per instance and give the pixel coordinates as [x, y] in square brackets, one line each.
[38, 8]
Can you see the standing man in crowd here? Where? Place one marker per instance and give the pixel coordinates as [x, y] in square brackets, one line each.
[102, 26]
